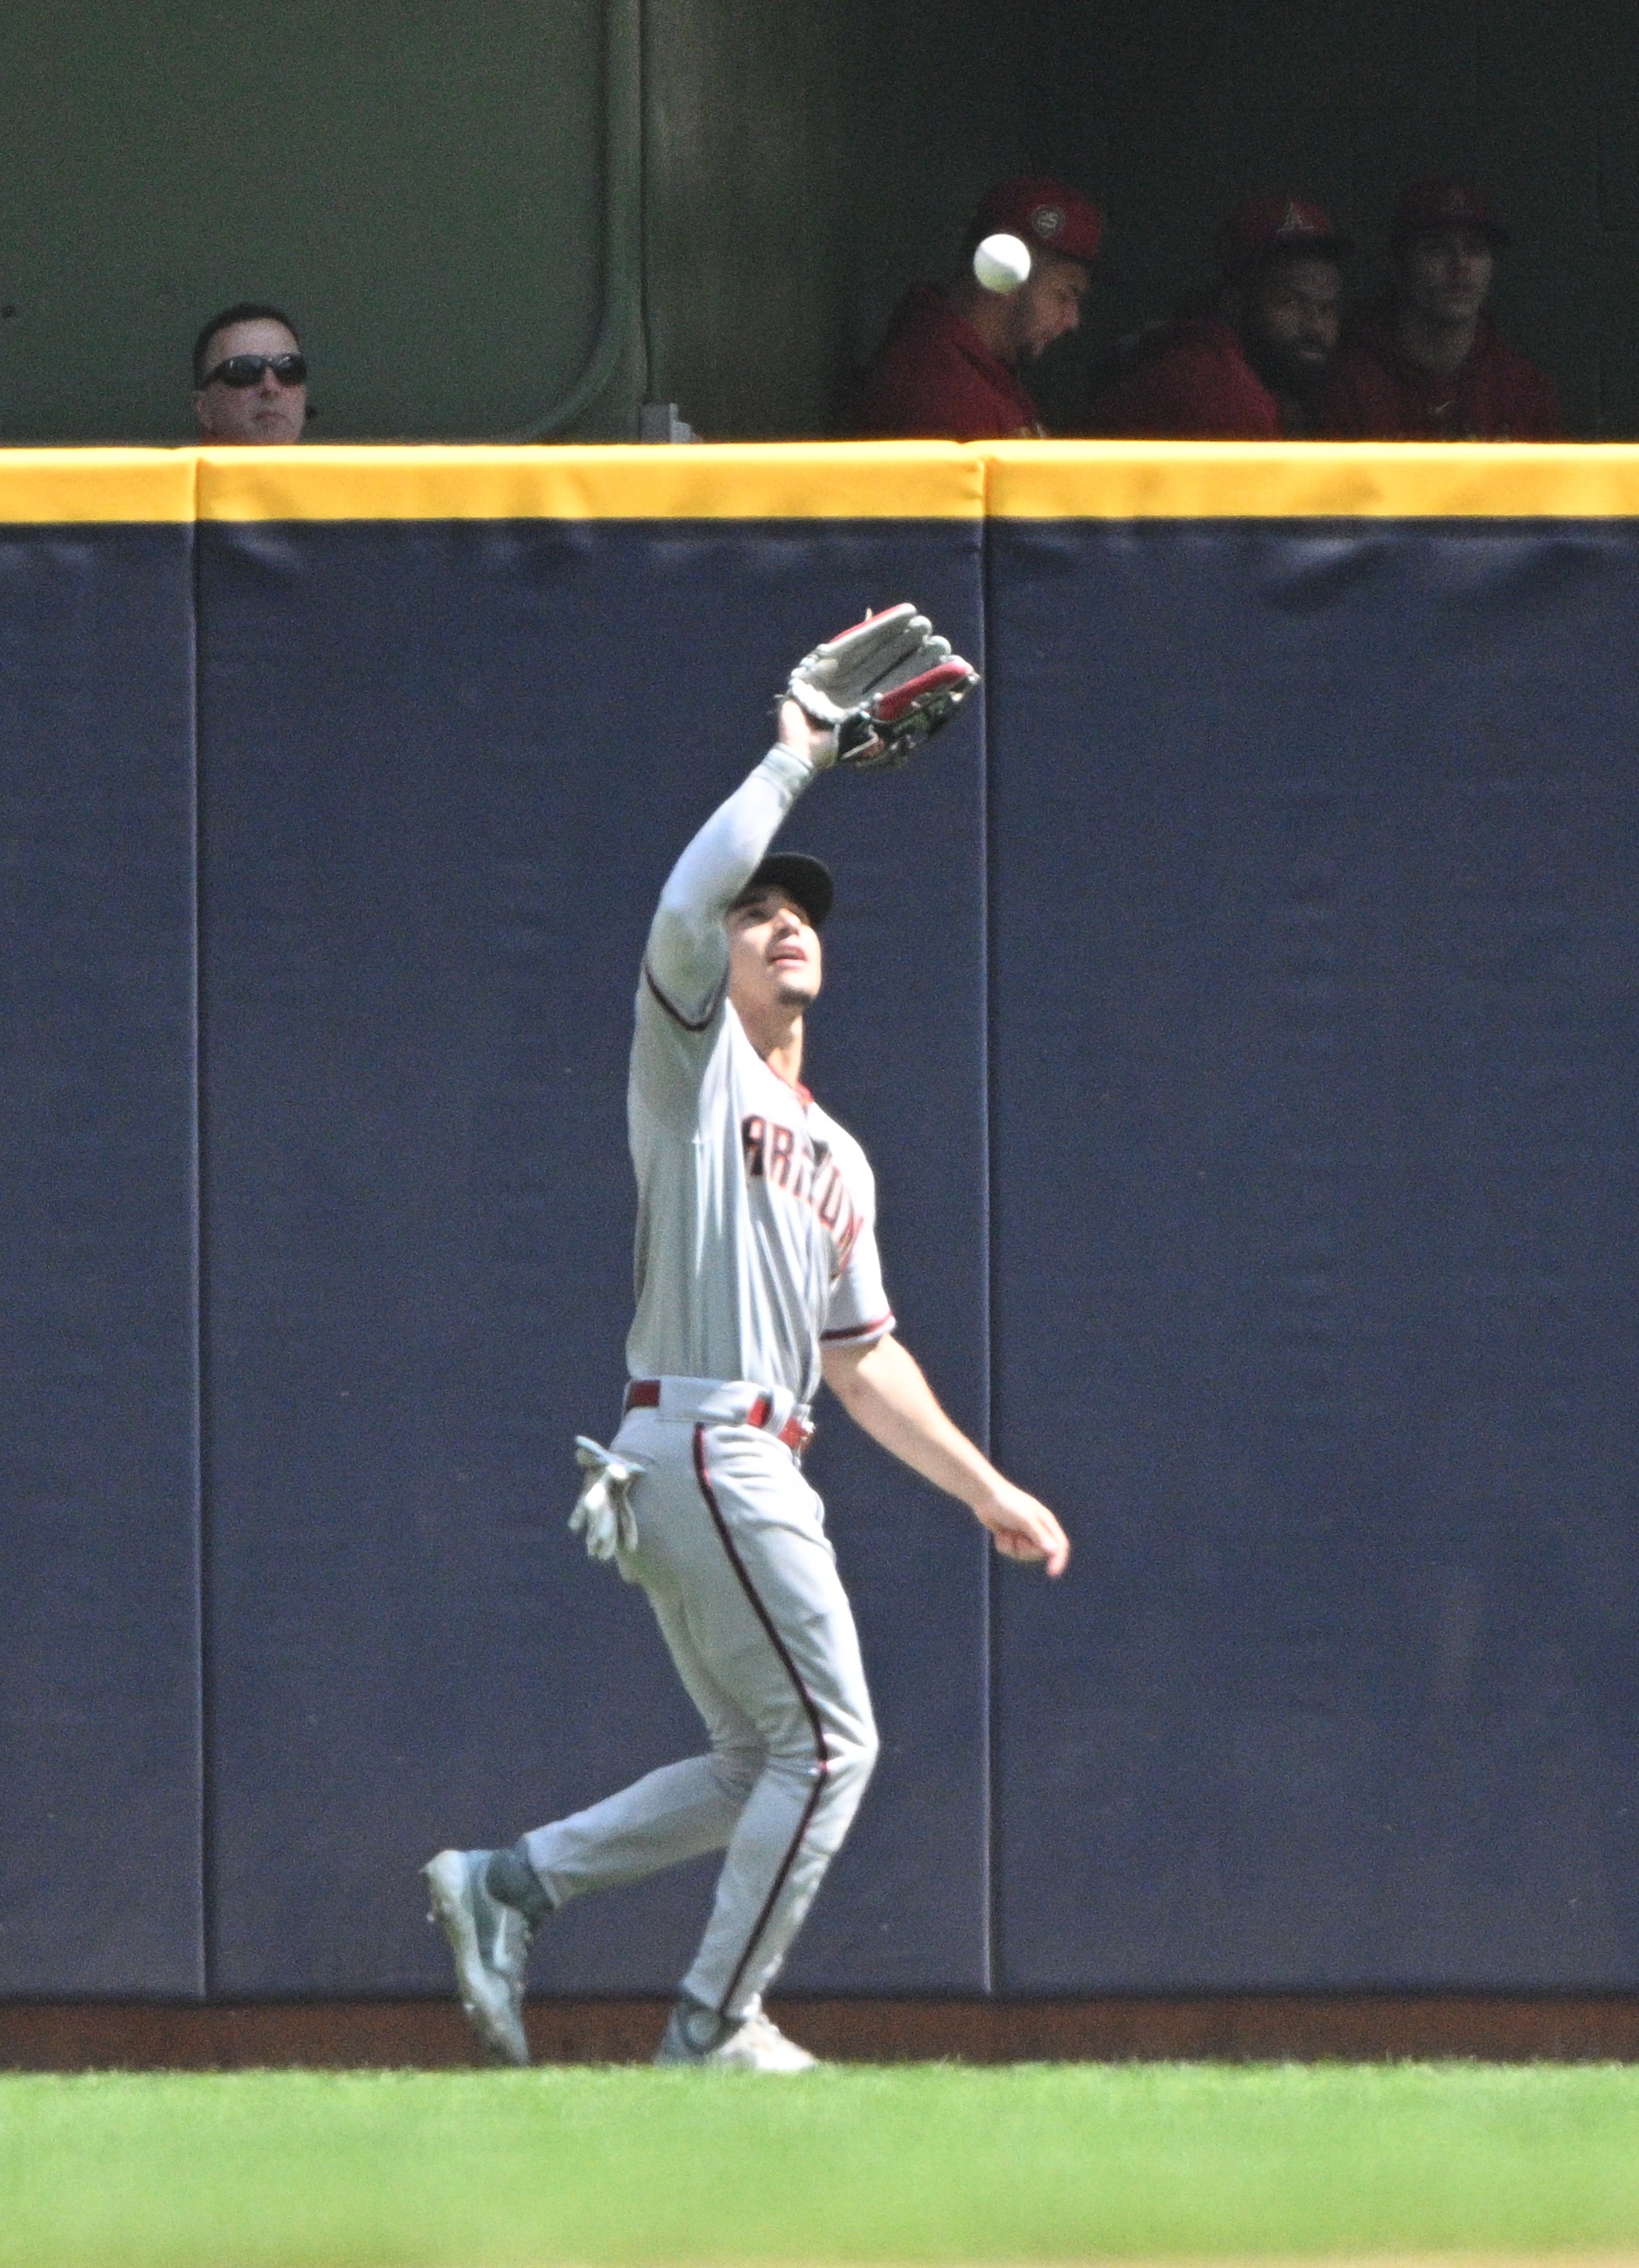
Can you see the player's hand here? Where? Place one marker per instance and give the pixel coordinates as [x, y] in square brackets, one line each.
[884, 687]
[1023, 1528]
[805, 737]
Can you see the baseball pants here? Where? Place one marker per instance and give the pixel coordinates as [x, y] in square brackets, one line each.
[732, 1553]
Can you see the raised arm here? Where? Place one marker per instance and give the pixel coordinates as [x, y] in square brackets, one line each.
[877, 691]
[688, 955]
[883, 1389]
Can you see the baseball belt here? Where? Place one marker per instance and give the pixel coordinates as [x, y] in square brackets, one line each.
[796, 1432]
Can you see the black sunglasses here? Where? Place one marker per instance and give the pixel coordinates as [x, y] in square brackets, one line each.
[246, 370]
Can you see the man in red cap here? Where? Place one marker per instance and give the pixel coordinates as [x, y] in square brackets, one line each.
[1427, 364]
[1251, 365]
[948, 366]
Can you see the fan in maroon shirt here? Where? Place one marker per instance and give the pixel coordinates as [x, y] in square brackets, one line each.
[1427, 364]
[1250, 363]
[948, 366]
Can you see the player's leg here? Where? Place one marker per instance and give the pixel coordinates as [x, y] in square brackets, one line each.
[744, 1588]
[680, 1811]
[490, 1904]
[767, 1608]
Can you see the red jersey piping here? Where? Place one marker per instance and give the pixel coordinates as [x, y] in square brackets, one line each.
[861, 1330]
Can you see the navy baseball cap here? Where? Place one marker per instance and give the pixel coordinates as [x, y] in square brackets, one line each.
[805, 882]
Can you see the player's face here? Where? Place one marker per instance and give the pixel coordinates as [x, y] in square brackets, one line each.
[1047, 303]
[1294, 312]
[773, 957]
[1447, 274]
[269, 410]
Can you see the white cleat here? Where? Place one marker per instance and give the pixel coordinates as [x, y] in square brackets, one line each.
[490, 1942]
[698, 2035]
[767, 2047]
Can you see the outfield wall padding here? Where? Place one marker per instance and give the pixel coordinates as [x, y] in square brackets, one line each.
[1316, 887]
[1240, 1006]
[99, 1663]
[432, 848]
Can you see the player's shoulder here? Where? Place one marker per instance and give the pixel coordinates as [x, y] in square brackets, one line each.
[923, 320]
[933, 375]
[657, 1013]
[1193, 379]
[1526, 377]
[676, 1057]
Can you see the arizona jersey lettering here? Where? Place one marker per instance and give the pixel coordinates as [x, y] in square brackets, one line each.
[755, 1236]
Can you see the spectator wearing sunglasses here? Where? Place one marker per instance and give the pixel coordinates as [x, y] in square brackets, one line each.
[250, 377]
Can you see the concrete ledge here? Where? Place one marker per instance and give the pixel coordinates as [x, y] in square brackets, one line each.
[79, 2035]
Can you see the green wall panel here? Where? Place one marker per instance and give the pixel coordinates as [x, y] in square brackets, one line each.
[421, 181]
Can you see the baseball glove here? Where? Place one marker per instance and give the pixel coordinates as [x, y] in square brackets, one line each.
[885, 686]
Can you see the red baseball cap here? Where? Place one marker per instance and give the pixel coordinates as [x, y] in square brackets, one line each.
[1265, 228]
[1045, 214]
[1429, 205]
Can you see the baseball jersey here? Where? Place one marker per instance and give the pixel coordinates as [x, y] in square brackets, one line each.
[1192, 382]
[756, 1211]
[1495, 395]
[933, 374]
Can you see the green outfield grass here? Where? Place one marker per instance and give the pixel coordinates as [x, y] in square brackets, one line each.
[925, 2162]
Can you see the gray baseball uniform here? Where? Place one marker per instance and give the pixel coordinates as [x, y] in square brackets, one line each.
[755, 1244]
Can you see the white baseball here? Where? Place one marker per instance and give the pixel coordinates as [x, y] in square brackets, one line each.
[1001, 263]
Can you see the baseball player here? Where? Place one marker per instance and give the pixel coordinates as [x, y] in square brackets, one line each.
[757, 1275]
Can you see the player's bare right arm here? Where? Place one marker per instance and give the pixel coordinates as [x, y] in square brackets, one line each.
[883, 1389]
[687, 958]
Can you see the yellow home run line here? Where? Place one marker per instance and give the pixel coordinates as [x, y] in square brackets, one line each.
[1310, 480]
[829, 480]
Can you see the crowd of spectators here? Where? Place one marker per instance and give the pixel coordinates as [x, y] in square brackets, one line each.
[1270, 350]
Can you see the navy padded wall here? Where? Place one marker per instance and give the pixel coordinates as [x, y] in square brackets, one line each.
[1316, 1052]
[100, 1824]
[444, 770]
[1316, 956]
